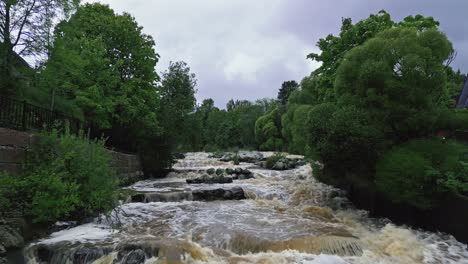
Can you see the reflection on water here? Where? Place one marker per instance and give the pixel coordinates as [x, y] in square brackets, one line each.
[288, 217]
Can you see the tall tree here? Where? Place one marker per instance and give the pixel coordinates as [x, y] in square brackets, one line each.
[399, 77]
[285, 91]
[25, 28]
[177, 92]
[108, 74]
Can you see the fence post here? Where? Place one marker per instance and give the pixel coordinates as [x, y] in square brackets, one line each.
[23, 116]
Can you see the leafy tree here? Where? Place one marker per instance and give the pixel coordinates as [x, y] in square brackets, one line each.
[399, 78]
[25, 28]
[177, 94]
[334, 48]
[109, 75]
[285, 91]
[268, 131]
[295, 128]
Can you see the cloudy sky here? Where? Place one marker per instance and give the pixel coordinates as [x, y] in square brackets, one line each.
[245, 49]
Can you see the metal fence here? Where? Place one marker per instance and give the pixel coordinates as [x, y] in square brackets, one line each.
[21, 115]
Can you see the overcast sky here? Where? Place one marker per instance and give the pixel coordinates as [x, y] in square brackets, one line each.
[245, 49]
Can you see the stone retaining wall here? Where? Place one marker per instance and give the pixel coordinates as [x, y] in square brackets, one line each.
[13, 146]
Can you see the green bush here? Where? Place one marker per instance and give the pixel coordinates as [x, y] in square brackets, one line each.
[420, 171]
[65, 177]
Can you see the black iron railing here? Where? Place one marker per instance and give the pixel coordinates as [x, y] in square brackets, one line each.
[21, 115]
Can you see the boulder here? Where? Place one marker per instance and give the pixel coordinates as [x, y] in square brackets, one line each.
[280, 165]
[10, 238]
[210, 180]
[178, 156]
[161, 197]
[246, 176]
[88, 254]
[134, 257]
[235, 193]
[249, 157]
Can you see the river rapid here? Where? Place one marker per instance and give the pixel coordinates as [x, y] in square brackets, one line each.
[287, 217]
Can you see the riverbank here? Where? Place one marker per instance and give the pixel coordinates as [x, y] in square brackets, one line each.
[449, 216]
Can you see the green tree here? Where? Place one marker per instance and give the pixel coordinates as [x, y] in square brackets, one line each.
[285, 91]
[399, 77]
[177, 92]
[334, 48]
[109, 75]
[268, 131]
[25, 28]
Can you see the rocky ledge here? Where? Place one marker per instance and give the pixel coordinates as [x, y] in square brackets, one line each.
[235, 193]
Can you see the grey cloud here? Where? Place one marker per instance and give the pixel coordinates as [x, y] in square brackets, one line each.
[245, 49]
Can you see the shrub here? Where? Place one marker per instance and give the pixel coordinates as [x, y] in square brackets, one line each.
[420, 171]
[65, 177]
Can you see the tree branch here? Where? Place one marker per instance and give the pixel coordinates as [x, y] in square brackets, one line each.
[28, 12]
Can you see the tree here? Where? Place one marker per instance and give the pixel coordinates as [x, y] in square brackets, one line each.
[25, 28]
[177, 92]
[285, 91]
[333, 48]
[399, 77]
[268, 131]
[108, 74]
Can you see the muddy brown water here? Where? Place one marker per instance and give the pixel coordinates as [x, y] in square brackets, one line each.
[288, 217]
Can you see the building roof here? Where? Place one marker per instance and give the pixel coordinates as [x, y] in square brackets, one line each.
[463, 99]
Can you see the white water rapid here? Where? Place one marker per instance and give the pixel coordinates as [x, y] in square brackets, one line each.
[287, 217]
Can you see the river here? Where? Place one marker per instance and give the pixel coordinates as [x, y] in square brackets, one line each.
[288, 217]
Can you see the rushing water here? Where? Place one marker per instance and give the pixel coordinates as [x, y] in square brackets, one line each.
[288, 217]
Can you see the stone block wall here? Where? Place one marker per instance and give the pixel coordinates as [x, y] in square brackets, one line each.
[13, 146]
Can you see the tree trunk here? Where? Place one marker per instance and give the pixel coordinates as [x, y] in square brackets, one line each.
[6, 49]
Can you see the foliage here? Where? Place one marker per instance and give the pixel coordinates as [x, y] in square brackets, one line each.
[349, 140]
[295, 127]
[420, 171]
[110, 75]
[268, 131]
[334, 48]
[211, 129]
[26, 29]
[399, 78]
[66, 176]
[285, 91]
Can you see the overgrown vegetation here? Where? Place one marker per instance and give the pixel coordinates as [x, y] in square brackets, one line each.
[65, 177]
[368, 113]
